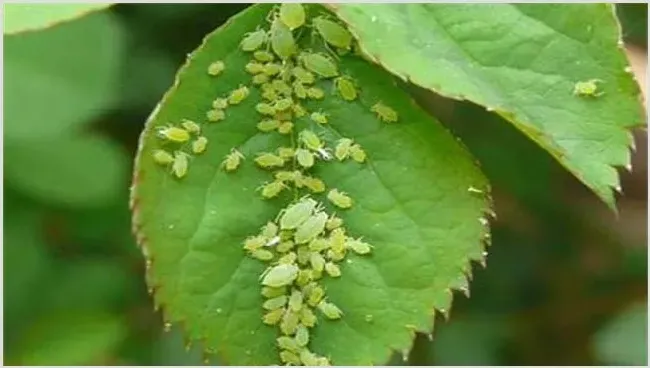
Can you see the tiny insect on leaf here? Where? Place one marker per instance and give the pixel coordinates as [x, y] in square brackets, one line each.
[292, 15]
[220, 103]
[311, 228]
[252, 41]
[318, 117]
[273, 317]
[319, 64]
[199, 145]
[215, 115]
[162, 157]
[280, 275]
[333, 33]
[305, 158]
[263, 56]
[339, 199]
[216, 68]
[180, 164]
[282, 41]
[275, 303]
[268, 125]
[174, 134]
[269, 160]
[302, 335]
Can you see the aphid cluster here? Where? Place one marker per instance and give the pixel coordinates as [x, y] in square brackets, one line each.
[185, 140]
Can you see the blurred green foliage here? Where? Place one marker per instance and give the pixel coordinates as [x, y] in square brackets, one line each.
[560, 288]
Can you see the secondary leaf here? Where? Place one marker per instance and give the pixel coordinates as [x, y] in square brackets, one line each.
[30, 17]
[412, 202]
[521, 61]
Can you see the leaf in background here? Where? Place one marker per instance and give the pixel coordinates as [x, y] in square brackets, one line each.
[521, 61]
[31, 17]
[83, 171]
[59, 79]
[412, 204]
[624, 340]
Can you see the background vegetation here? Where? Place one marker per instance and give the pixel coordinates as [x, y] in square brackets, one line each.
[566, 282]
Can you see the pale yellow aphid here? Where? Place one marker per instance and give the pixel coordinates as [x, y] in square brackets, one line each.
[314, 184]
[358, 246]
[292, 15]
[265, 109]
[269, 94]
[342, 150]
[269, 292]
[269, 160]
[268, 125]
[259, 79]
[162, 157]
[283, 104]
[339, 199]
[254, 242]
[307, 317]
[319, 244]
[174, 134]
[285, 246]
[220, 103]
[272, 189]
[317, 261]
[330, 310]
[269, 230]
[315, 296]
[191, 126]
[384, 113]
[332, 269]
[282, 41]
[283, 115]
[289, 358]
[299, 90]
[335, 256]
[289, 322]
[280, 275]
[310, 229]
[333, 222]
[357, 153]
[303, 76]
[232, 160]
[346, 88]
[262, 254]
[286, 152]
[310, 140]
[272, 69]
[285, 127]
[289, 258]
[337, 240]
[253, 67]
[298, 110]
[308, 358]
[302, 335]
[238, 95]
[215, 115]
[295, 301]
[304, 277]
[303, 255]
[287, 343]
[216, 68]
[253, 40]
[587, 88]
[275, 303]
[273, 317]
[318, 117]
[315, 93]
[180, 164]
[199, 145]
[282, 87]
[263, 56]
[305, 158]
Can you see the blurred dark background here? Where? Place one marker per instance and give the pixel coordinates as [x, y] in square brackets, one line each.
[566, 282]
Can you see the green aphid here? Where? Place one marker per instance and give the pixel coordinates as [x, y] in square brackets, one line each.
[303, 76]
[330, 310]
[295, 301]
[282, 87]
[339, 199]
[191, 126]
[259, 79]
[357, 153]
[162, 157]
[292, 15]
[346, 88]
[311, 228]
[265, 109]
[262, 254]
[199, 145]
[220, 103]
[302, 335]
[253, 67]
[299, 90]
[269, 95]
[307, 317]
[310, 140]
[587, 88]
[289, 258]
[287, 343]
[286, 153]
[275, 303]
[272, 69]
[216, 68]
[335, 256]
[318, 117]
[308, 358]
[333, 33]
[253, 40]
[305, 158]
[317, 275]
[304, 277]
[269, 292]
[285, 127]
[269, 160]
[269, 230]
[333, 222]
[232, 160]
[317, 261]
[358, 246]
[342, 150]
[282, 41]
[272, 189]
[238, 95]
[337, 240]
[180, 164]
[268, 125]
[315, 93]
[284, 115]
[254, 242]
[174, 134]
[215, 115]
[285, 246]
[280, 275]
[289, 322]
[315, 185]
[283, 104]
[323, 362]
[273, 317]
[319, 244]
[384, 113]
[296, 214]
[319, 64]
[289, 358]
[263, 56]
[303, 254]
[315, 296]
[298, 110]
[332, 269]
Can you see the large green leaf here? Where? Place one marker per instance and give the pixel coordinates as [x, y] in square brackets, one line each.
[413, 204]
[30, 17]
[521, 61]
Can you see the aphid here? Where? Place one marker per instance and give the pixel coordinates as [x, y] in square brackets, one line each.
[319, 64]
[315, 93]
[332, 32]
[358, 246]
[305, 158]
[269, 292]
[265, 109]
[180, 164]
[318, 117]
[232, 160]
[288, 357]
[254, 242]
[384, 113]
[308, 358]
[162, 157]
[269, 160]
[310, 140]
[191, 126]
[289, 323]
[263, 56]
[272, 189]
[292, 15]
[303, 254]
[220, 103]
[316, 294]
[285, 127]
[298, 110]
[332, 269]
[286, 153]
[317, 261]
[333, 222]
[295, 301]
[281, 87]
[174, 134]
[216, 68]
[299, 90]
[357, 153]
[303, 76]
[269, 94]
[282, 41]
[302, 335]
[215, 115]
[307, 317]
[268, 125]
[253, 67]
[283, 104]
[304, 277]
[283, 115]
[311, 228]
[272, 69]
[369, 318]
[335, 256]
[269, 230]
[262, 254]
[238, 95]
[273, 317]
[319, 244]
[346, 88]
[323, 362]
[330, 310]
[259, 79]
[199, 145]
[287, 343]
[314, 184]
[275, 303]
[253, 40]
[280, 275]
[285, 246]
[339, 199]
[587, 88]
[296, 214]
[337, 240]
[289, 258]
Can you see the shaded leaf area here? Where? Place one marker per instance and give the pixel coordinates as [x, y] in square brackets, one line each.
[624, 339]
[30, 17]
[412, 204]
[470, 52]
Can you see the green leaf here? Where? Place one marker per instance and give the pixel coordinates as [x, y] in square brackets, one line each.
[521, 61]
[624, 339]
[412, 204]
[30, 17]
[61, 78]
[71, 171]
